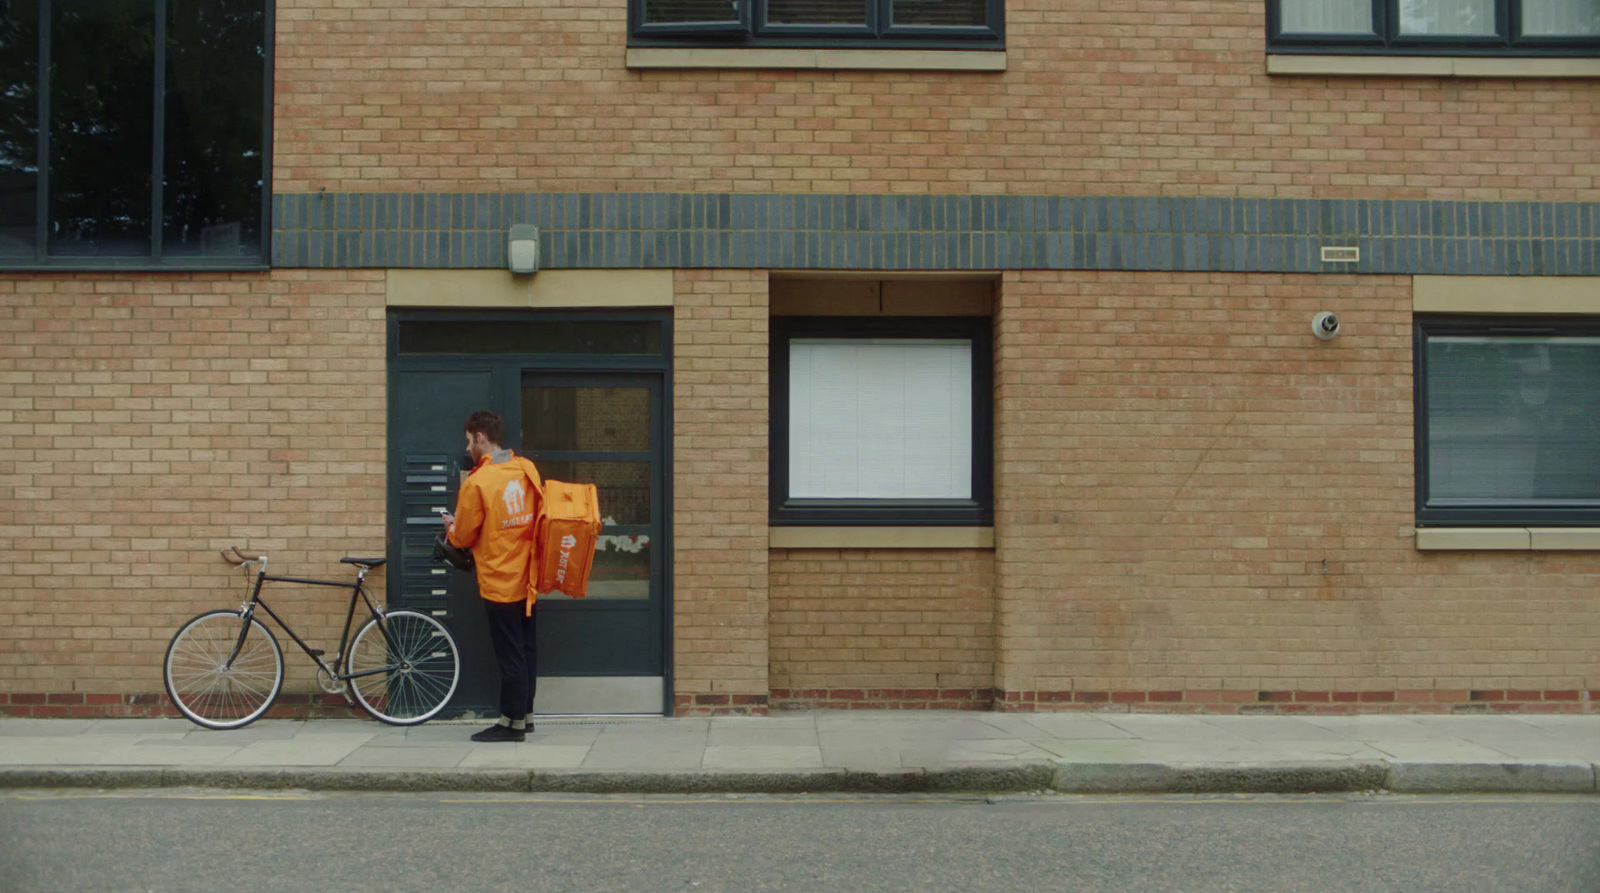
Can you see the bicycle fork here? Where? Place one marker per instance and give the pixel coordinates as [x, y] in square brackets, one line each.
[247, 613]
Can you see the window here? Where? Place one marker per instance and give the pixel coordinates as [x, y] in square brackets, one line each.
[1458, 27]
[1508, 421]
[881, 420]
[959, 24]
[133, 132]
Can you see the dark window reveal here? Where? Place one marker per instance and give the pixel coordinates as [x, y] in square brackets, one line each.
[133, 132]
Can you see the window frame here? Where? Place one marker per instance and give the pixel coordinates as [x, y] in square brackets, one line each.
[976, 511]
[42, 259]
[1387, 39]
[752, 31]
[1487, 515]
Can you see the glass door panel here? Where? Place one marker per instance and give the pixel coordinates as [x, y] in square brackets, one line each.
[605, 429]
[608, 419]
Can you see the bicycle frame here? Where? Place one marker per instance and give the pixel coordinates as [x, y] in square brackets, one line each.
[247, 611]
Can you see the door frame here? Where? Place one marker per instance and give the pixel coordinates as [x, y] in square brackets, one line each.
[508, 370]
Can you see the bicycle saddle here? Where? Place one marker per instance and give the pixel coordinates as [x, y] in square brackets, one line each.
[368, 563]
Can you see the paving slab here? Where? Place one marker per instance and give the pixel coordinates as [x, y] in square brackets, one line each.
[369, 757]
[792, 736]
[169, 754]
[1075, 727]
[777, 720]
[157, 727]
[23, 727]
[863, 757]
[1182, 729]
[75, 749]
[989, 750]
[321, 749]
[657, 753]
[264, 730]
[1274, 729]
[526, 756]
[1452, 750]
[865, 751]
[762, 757]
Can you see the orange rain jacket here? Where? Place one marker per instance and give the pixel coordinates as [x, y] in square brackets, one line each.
[495, 518]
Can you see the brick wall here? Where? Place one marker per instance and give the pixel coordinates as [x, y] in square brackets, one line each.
[719, 498]
[881, 627]
[146, 421]
[1201, 506]
[1116, 97]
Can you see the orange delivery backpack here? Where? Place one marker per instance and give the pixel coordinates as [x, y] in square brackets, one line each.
[569, 527]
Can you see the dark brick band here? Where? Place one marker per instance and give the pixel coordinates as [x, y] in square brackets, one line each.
[936, 232]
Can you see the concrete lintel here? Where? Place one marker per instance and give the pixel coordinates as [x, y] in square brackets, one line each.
[1430, 66]
[1447, 539]
[1570, 539]
[1505, 294]
[881, 537]
[550, 288]
[1508, 539]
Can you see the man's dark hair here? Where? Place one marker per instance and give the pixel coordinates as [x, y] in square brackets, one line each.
[489, 425]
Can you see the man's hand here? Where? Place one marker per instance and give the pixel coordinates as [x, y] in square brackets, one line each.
[447, 518]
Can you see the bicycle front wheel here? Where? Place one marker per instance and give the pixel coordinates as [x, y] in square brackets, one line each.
[403, 669]
[221, 672]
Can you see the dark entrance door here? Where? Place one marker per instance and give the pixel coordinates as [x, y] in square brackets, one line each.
[586, 416]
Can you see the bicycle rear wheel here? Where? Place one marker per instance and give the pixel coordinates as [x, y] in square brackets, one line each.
[221, 672]
[403, 670]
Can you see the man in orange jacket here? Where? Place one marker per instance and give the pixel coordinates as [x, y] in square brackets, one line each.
[494, 517]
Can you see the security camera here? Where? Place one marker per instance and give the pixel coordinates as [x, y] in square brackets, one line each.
[1325, 325]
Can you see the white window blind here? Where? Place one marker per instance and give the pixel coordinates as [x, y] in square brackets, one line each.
[880, 419]
[1327, 16]
[1558, 18]
[1451, 17]
[1513, 420]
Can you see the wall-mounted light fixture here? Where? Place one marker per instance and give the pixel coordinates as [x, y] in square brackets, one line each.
[522, 249]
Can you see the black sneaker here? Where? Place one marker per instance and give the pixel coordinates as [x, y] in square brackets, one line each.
[500, 733]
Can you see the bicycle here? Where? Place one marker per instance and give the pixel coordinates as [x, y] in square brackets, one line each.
[224, 668]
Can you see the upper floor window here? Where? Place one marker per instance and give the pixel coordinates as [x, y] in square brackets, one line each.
[133, 133]
[960, 24]
[1456, 27]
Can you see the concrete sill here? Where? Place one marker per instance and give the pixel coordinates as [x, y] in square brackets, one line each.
[835, 60]
[880, 537]
[1431, 66]
[1508, 539]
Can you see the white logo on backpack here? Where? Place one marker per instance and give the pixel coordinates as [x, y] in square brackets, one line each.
[567, 543]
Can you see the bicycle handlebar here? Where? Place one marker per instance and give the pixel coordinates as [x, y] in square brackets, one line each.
[239, 556]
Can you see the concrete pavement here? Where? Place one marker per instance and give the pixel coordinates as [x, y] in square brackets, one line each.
[830, 751]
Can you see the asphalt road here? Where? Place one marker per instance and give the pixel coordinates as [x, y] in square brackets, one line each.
[200, 840]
